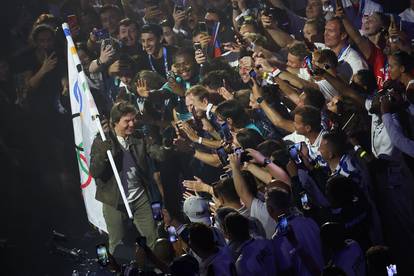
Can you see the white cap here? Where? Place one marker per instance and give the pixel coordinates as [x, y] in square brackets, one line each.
[197, 210]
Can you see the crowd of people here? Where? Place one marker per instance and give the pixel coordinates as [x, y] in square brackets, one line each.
[263, 137]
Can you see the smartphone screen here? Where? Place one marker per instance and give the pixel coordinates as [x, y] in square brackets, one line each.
[283, 223]
[225, 132]
[203, 26]
[222, 156]
[309, 65]
[172, 234]
[156, 211]
[304, 200]
[294, 153]
[391, 270]
[102, 253]
[101, 34]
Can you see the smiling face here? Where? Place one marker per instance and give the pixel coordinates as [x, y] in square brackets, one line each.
[128, 35]
[126, 125]
[185, 66]
[150, 43]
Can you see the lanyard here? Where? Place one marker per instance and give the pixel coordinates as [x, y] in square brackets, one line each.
[343, 50]
[164, 54]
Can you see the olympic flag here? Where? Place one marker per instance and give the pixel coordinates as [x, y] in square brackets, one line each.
[84, 114]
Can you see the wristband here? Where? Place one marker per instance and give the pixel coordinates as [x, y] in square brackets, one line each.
[260, 100]
[200, 140]
[98, 62]
[276, 72]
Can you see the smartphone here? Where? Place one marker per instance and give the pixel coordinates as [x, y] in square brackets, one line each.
[294, 152]
[202, 25]
[141, 241]
[308, 64]
[283, 223]
[197, 46]
[253, 74]
[172, 234]
[222, 156]
[101, 34]
[102, 253]
[304, 200]
[179, 8]
[225, 132]
[156, 211]
[391, 270]
[244, 157]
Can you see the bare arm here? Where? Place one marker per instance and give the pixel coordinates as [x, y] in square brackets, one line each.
[259, 173]
[344, 89]
[288, 90]
[210, 159]
[239, 183]
[271, 113]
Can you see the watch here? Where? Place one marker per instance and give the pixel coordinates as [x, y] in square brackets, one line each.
[98, 62]
[266, 162]
[260, 100]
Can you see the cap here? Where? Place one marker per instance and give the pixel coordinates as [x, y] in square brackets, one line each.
[197, 210]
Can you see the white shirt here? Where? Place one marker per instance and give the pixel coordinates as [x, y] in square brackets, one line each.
[258, 210]
[407, 15]
[349, 62]
[328, 91]
[380, 140]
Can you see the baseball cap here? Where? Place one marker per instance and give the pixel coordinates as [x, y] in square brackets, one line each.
[197, 210]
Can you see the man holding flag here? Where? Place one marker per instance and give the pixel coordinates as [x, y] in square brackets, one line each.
[135, 170]
[120, 165]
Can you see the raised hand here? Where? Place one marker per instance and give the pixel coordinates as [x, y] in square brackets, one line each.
[142, 88]
[179, 17]
[196, 185]
[49, 63]
[107, 53]
[256, 155]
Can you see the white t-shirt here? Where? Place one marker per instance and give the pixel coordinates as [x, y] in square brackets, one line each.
[325, 87]
[258, 210]
[349, 62]
[380, 140]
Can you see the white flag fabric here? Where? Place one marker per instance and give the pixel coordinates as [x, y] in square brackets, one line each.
[84, 114]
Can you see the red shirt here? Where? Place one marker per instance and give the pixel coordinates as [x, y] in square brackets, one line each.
[378, 63]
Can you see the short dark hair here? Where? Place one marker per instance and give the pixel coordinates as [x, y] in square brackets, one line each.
[251, 183]
[121, 109]
[249, 138]
[368, 79]
[214, 79]
[337, 142]
[310, 115]
[278, 198]
[226, 189]
[404, 59]
[267, 147]
[201, 236]
[299, 50]
[314, 97]
[237, 226]
[233, 110]
[154, 29]
[327, 56]
[39, 29]
[107, 8]
[184, 52]
[127, 22]
[198, 91]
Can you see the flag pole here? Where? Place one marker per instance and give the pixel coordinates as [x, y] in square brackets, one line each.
[72, 48]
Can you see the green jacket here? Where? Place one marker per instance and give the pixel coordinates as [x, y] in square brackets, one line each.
[107, 190]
